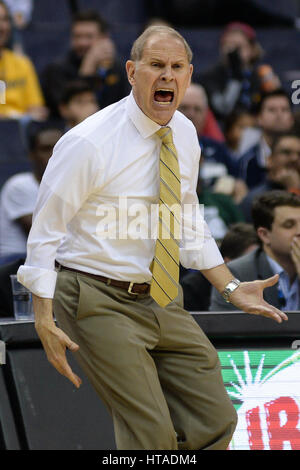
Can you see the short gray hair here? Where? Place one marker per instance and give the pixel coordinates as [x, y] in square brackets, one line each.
[139, 44]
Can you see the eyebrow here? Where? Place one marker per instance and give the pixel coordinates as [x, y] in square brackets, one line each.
[156, 59]
[288, 220]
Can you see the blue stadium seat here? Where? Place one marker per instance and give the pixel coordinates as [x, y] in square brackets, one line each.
[13, 150]
[54, 38]
[45, 43]
[47, 36]
[53, 11]
[118, 12]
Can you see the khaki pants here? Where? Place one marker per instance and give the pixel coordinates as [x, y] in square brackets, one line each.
[153, 367]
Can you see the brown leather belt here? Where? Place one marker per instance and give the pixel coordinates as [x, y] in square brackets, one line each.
[131, 287]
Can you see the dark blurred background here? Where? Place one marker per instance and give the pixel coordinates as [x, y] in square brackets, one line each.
[201, 21]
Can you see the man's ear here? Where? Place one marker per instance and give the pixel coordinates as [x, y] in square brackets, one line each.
[130, 69]
[63, 111]
[191, 72]
[263, 235]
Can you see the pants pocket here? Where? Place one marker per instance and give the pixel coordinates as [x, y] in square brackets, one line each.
[87, 299]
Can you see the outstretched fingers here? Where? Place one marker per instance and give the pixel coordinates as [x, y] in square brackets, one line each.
[64, 368]
[55, 342]
[272, 312]
[268, 310]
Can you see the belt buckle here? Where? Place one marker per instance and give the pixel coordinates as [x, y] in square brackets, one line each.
[129, 290]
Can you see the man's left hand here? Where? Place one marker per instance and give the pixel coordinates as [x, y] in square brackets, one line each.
[249, 298]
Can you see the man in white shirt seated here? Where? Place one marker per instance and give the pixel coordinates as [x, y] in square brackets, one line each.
[276, 218]
[19, 195]
[115, 292]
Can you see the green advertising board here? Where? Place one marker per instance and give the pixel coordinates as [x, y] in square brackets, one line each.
[264, 386]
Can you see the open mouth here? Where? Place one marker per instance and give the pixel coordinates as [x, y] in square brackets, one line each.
[163, 95]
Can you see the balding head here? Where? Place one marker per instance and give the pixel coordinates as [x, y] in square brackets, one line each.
[159, 72]
[139, 44]
[194, 106]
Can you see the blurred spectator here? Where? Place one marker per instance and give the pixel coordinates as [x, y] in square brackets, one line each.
[216, 161]
[283, 170]
[194, 106]
[297, 122]
[274, 117]
[78, 102]
[276, 217]
[220, 211]
[211, 127]
[234, 125]
[235, 188]
[241, 238]
[19, 193]
[203, 118]
[20, 11]
[23, 94]
[92, 57]
[238, 78]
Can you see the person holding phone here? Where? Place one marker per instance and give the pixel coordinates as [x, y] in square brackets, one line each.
[240, 77]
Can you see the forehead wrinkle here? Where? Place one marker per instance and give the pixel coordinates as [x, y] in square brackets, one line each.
[166, 59]
[158, 53]
[162, 47]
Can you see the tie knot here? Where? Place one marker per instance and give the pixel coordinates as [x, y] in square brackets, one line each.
[165, 134]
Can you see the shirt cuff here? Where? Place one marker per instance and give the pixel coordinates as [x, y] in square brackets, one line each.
[39, 281]
[207, 257]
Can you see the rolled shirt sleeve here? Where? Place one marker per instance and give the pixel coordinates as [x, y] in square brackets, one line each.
[67, 182]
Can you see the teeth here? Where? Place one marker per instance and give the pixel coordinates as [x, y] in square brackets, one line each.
[166, 90]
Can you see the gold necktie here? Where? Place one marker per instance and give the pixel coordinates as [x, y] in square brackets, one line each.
[165, 265]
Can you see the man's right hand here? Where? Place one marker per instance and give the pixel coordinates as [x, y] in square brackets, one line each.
[53, 339]
[235, 64]
[101, 54]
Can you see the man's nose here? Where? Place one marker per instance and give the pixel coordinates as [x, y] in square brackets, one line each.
[295, 156]
[167, 73]
[297, 234]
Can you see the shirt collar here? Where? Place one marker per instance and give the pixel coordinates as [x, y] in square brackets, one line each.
[265, 152]
[145, 126]
[276, 268]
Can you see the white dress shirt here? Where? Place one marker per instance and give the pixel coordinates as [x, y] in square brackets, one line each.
[113, 153]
